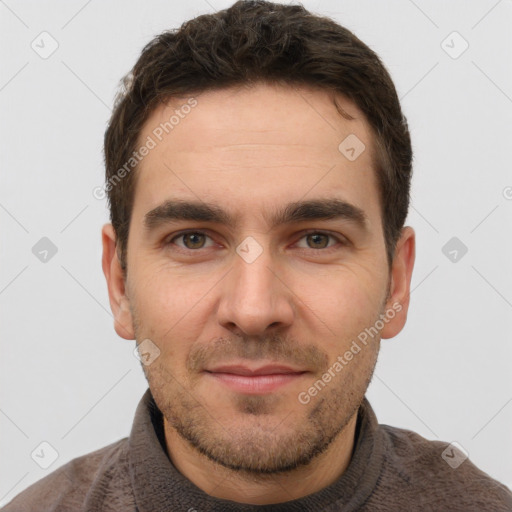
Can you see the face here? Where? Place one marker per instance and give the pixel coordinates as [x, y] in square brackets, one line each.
[256, 260]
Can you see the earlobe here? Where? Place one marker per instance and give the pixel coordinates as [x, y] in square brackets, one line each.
[119, 301]
[399, 294]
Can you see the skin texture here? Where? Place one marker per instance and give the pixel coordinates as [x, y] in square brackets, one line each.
[302, 302]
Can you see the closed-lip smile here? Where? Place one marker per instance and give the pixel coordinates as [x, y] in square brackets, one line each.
[255, 380]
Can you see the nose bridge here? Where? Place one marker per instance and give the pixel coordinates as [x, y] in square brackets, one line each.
[252, 276]
[254, 298]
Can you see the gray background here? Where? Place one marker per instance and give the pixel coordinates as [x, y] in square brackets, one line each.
[68, 380]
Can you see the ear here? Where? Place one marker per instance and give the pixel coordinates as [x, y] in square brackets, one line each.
[119, 301]
[400, 284]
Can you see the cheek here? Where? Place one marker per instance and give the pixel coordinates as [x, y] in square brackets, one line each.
[162, 289]
[171, 307]
[352, 314]
[345, 301]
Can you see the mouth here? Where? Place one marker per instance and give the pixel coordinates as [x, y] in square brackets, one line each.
[257, 380]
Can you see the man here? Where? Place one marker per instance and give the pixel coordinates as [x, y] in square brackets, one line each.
[258, 169]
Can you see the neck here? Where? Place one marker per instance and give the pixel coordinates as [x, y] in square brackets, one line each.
[224, 483]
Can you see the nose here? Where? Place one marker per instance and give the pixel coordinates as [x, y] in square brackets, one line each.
[255, 297]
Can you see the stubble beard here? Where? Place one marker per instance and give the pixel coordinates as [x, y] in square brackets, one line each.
[264, 440]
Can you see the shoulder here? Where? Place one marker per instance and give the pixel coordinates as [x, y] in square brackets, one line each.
[439, 474]
[66, 488]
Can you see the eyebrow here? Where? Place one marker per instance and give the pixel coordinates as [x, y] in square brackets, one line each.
[315, 209]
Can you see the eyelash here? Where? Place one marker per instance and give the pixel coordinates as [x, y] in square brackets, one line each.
[342, 241]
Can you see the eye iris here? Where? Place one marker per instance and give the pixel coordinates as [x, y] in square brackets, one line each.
[193, 238]
[318, 238]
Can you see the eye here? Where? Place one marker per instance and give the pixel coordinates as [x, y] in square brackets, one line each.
[320, 240]
[195, 240]
[191, 240]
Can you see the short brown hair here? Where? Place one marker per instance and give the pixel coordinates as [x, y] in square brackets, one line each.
[261, 41]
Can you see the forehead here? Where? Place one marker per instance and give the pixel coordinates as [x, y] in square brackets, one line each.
[255, 146]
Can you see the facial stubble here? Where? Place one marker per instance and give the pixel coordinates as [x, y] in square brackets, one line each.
[261, 435]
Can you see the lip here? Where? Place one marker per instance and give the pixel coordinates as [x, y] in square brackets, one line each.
[259, 380]
[269, 369]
